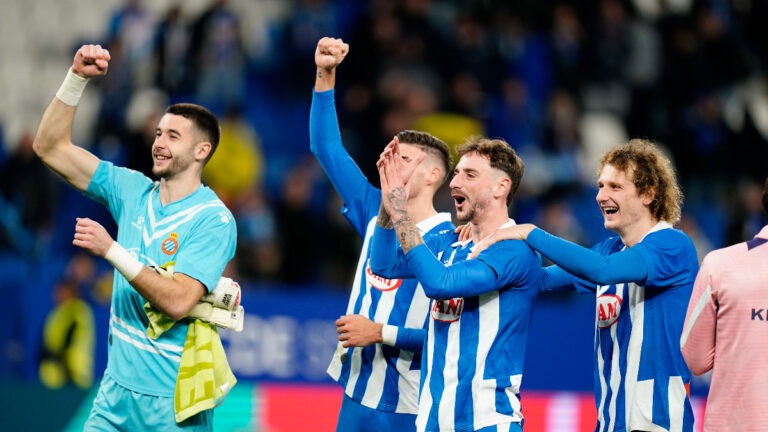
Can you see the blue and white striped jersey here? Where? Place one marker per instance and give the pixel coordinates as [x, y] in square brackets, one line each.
[197, 235]
[379, 376]
[478, 328]
[641, 379]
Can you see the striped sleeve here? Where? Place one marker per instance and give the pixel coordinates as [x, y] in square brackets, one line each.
[403, 337]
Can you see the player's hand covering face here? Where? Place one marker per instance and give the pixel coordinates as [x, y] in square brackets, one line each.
[395, 172]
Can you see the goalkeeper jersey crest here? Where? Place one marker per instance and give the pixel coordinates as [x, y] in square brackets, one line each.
[197, 235]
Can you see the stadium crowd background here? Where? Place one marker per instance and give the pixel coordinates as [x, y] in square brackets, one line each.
[560, 80]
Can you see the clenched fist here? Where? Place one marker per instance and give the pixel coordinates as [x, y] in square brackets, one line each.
[91, 61]
[330, 53]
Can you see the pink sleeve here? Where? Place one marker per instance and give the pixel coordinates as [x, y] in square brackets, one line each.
[698, 339]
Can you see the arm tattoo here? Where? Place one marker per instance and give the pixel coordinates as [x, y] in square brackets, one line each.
[383, 220]
[407, 234]
[398, 200]
[406, 230]
[319, 73]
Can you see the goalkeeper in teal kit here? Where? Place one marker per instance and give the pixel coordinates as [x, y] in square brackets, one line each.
[176, 223]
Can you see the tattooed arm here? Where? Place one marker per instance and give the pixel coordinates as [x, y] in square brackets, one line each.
[387, 259]
[407, 233]
[395, 172]
[383, 220]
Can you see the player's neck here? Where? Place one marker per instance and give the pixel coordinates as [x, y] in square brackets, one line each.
[487, 222]
[176, 188]
[633, 234]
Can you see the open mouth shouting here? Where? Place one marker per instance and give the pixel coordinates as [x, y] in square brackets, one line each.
[458, 200]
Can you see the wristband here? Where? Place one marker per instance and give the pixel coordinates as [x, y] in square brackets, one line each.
[123, 261]
[388, 334]
[72, 88]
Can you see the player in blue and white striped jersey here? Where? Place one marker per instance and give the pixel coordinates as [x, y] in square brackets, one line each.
[481, 308]
[382, 334]
[642, 280]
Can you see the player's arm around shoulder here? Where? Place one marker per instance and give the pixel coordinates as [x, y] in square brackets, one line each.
[53, 140]
[515, 262]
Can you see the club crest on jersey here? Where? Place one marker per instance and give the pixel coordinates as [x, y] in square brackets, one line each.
[608, 310]
[380, 283]
[171, 244]
[448, 310]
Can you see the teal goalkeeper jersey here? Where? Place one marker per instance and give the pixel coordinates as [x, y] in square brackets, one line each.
[197, 235]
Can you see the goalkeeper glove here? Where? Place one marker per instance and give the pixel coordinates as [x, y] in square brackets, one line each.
[223, 318]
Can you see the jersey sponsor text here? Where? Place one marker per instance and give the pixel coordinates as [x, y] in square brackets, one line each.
[448, 310]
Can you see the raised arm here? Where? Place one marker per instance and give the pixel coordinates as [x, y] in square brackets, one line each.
[361, 199]
[394, 173]
[329, 54]
[53, 143]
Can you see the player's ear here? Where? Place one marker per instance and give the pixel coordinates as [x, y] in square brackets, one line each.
[202, 150]
[649, 197]
[435, 175]
[503, 185]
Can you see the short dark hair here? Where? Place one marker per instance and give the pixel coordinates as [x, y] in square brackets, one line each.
[500, 155]
[653, 173]
[204, 120]
[429, 143]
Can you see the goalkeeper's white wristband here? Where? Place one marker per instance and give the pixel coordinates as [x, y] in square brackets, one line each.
[388, 334]
[72, 88]
[123, 261]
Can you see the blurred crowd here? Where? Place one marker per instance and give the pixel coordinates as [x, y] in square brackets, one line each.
[560, 80]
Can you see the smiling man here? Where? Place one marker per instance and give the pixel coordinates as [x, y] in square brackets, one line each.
[642, 280]
[176, 221]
